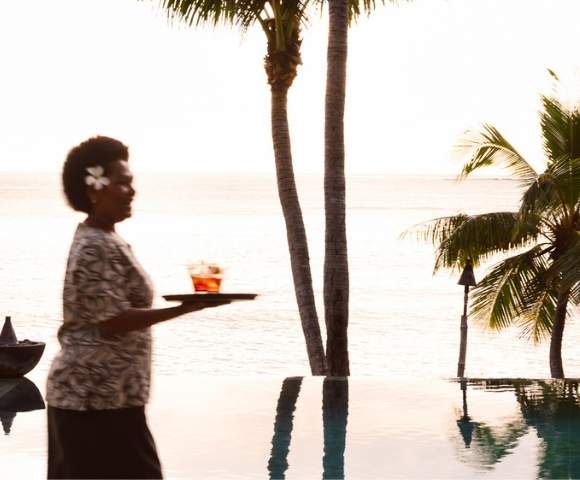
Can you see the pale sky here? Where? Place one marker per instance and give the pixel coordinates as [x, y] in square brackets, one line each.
[419, 74]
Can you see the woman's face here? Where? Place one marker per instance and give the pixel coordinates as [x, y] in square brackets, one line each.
[112, 203]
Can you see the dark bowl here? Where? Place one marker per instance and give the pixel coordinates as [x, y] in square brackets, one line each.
[19, 395]
[17, 360]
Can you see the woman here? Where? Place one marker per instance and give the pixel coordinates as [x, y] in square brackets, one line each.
[98, 383]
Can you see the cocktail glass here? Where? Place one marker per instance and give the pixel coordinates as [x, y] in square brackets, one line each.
[205, 276]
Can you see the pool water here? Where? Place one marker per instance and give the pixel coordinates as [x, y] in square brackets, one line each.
[358, 428]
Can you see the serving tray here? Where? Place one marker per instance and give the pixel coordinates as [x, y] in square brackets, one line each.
[208, 297]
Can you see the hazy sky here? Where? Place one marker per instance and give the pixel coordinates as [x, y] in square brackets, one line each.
[196, 99]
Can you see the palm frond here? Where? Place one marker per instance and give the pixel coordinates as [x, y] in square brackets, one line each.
[560, 129]
[476, 237]
[195, 12]
[565, 172]
[554, 123]
[567, 266]
[575, 295]
[240, 13]
[504, 294]
[538, 196]
[436, 230]
[249, 12]
[555, 190]
[488, 147]
[357, 8]
[529, 226]
[537, 317]
[294, 13]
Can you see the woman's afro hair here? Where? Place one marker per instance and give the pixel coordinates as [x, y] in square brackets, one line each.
[92, 152]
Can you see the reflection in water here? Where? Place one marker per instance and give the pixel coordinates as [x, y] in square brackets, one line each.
[278, 463]
[464, 423]
[334, 417]
[17, 395]
[7, 418]
[551, 408]
[487, 446]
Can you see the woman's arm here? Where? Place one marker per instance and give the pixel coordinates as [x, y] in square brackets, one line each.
[139, 318]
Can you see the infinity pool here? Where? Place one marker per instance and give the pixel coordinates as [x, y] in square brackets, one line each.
[360, 428]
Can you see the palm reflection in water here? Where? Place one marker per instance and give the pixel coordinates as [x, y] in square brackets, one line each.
[334, 419]
[550, 407]
[334, 416]
[17, 395]
[278, 463]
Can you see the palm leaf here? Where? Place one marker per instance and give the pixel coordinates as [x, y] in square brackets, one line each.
[567, 266]
[356, 8]
[556, 191]
[488, 147]
[195, 12]
[537, 316]
[249, 11]
[503, 294]
[554, 122]
[565, 173]
[477, 237]
[539, 196]
[575, 295]
[560, 129]
[242, 13]
[436, 230]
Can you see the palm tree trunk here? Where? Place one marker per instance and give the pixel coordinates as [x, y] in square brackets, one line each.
[334, 421]
[556, 368]
[336, 284]
[278, 463]
[295, 231]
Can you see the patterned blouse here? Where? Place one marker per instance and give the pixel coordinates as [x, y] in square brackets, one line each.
[91, 372]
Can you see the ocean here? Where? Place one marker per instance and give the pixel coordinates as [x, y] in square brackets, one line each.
[404, 321]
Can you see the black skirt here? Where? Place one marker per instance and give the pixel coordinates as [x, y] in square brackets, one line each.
[101, 444]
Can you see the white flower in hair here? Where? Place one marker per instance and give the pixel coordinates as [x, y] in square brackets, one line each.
[96, 178]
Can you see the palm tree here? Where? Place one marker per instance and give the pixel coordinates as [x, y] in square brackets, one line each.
[336, 282]
[336, 278]
[534, 288]
[281, 21]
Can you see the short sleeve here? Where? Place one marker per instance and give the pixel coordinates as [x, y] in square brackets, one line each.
[97, 283]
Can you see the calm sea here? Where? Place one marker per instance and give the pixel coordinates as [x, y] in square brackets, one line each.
[403, 320]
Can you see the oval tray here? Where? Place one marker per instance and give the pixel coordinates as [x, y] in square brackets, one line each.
[208, 297]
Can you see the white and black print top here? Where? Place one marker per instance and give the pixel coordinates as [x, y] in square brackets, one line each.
[91, 372]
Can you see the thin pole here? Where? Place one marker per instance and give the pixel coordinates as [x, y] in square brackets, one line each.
[463, 339]
[464, 395]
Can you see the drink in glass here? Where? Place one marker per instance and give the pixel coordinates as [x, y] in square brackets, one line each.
[205, 277]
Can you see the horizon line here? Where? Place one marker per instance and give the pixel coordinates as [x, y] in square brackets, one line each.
[208, 173]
